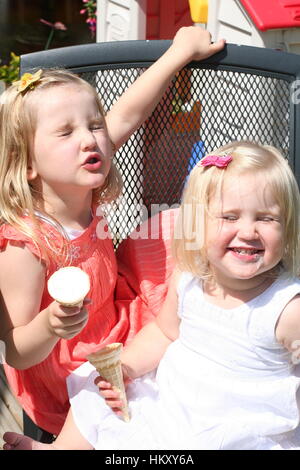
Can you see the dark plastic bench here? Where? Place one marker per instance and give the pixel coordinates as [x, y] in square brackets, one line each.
[241, 93]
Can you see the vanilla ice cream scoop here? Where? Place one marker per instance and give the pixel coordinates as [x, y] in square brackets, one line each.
[69, 286]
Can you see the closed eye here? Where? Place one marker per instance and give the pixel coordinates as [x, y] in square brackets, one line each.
[96, 125]
[229, 217]
[65, 133]
[268, 218]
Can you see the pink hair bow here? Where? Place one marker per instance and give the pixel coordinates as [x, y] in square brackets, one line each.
[221, 161]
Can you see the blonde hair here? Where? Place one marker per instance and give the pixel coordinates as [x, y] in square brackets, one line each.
[17, 129]
[205, 182]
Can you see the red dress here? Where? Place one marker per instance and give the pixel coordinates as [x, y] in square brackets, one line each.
[123, 300]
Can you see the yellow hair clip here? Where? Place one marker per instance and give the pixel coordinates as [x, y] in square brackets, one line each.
[28, 80]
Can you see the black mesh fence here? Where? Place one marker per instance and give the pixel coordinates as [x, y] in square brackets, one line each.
[202, 110]
[240, 93]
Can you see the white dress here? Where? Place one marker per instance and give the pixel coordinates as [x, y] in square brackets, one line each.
[225, 383]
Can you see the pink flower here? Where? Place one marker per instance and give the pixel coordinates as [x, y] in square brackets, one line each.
[90, 9]
[57, 25]
[221, 161]
[91, 20]
[60, 25]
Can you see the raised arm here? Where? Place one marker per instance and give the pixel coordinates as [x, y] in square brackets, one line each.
[137, 103]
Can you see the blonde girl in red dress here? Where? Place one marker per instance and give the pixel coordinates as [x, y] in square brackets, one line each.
[56, 167]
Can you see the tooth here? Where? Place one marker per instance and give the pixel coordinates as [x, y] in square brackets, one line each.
[245, 251]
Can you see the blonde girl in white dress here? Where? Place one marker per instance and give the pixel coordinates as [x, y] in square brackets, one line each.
[218, 367]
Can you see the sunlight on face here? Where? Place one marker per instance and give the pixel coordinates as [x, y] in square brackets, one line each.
[244, 230]
[71, 135]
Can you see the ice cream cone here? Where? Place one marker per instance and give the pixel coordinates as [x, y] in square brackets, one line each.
[108, 364]
[69, 286]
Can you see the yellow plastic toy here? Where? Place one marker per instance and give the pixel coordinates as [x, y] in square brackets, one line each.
[199, 10]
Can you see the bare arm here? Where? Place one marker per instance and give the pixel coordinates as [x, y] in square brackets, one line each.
[288, 328]
[24, 331]
[147, 348]
[30, 335]
[144, 353]
[137, 103]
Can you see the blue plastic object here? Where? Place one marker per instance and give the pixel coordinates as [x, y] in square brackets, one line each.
[198, 152]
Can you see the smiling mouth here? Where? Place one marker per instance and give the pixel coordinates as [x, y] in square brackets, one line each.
[246, 251]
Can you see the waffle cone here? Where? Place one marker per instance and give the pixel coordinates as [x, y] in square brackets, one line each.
[108, 365]
[70, 304]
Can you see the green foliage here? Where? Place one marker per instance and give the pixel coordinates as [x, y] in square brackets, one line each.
[10, 72]
[90, 9]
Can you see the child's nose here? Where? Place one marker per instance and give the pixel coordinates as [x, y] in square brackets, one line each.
[247, 230]
[88, 140]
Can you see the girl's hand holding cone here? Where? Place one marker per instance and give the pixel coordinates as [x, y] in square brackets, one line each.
[67, 322]
[112, 396]
[68, 315]
[108, 364]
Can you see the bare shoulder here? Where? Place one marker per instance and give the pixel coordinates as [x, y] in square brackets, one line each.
[288, 326]
[18, 261]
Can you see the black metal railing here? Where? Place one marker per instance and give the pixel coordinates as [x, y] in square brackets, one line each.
[240, 93]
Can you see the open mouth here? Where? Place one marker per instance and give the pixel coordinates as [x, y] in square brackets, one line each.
[93, 157]
[246, 251]
[92, 163]
[247, 254]
[92, 160]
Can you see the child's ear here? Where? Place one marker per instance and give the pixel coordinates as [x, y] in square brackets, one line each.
[31, 172]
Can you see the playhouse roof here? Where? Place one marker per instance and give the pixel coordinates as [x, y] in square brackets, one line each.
[272, 14]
